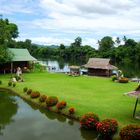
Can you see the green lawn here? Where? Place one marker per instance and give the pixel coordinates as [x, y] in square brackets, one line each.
[86, 94]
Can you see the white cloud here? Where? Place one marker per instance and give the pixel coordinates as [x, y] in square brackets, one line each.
[67, 19]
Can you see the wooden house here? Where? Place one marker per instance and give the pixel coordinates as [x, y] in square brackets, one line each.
[100, 67]
[21, 58]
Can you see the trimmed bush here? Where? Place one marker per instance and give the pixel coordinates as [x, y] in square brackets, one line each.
[61, 105]
[0, 82]
[9, 84]
[107, 128]
[25, 89]
[35, 94]
[51, 101]
[42, 98]
[71, 110]
[29, 91]
[123, 80]
[114, 77]
[89, 121]
[130, 132]
[17, 77]
[14, 84]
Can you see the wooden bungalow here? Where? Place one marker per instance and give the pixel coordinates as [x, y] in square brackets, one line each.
[21, 58]
[100, 67]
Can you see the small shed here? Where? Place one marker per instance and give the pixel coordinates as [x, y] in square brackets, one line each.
[21, 58]
[100, 67]
[75, 70]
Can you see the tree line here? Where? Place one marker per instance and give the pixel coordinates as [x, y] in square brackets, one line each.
[126, 52]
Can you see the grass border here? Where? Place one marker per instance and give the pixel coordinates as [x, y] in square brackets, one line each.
[73, 117]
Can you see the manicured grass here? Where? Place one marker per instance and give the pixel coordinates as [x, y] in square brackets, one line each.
[86, 94]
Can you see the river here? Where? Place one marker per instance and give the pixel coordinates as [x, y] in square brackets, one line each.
[129, 70]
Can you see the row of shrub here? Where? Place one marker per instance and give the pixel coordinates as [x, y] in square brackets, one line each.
[120, 79]
[50, 101]
[108, 127]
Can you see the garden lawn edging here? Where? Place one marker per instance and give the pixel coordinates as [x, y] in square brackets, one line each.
[70, 116]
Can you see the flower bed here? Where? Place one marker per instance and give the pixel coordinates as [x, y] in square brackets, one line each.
[107, 128]
[35, 94]
[71, 110]
[61, 105]
[130, 132]
[89, 121]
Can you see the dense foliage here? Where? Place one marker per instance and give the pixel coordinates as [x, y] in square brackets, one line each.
[122, 51]
[8, 32]
[127, 53]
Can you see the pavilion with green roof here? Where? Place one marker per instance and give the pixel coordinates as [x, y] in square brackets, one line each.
[21, 58]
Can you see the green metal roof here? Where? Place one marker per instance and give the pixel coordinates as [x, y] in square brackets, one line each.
[21, 55]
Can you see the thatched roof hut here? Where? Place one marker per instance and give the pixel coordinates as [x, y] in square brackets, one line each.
[100, 67]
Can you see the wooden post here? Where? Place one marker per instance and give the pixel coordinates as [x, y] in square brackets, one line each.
[11, 67]
[135, 107]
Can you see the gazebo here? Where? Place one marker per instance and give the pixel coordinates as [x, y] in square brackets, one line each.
[74, 70]
[100, 67]
[21, 58]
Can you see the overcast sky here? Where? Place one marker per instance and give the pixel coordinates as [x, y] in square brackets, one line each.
[61, 21]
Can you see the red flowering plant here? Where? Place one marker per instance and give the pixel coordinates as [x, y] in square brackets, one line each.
[35, 94]
[42, 98]
[107, 127]
[89, 121]
[130, 132]
[61, 105]
[71, 110]
[51, 101]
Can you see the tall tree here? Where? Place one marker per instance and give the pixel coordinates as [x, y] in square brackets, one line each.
[105, 46]
[8, 31]
[124, 39]
[77, 42]
[118, 41]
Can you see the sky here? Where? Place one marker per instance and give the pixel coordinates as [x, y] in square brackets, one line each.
[52, 22]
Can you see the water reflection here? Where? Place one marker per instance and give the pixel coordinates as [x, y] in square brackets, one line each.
[8, 108]
[88, 135]
[130, 70]
[31, 122]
